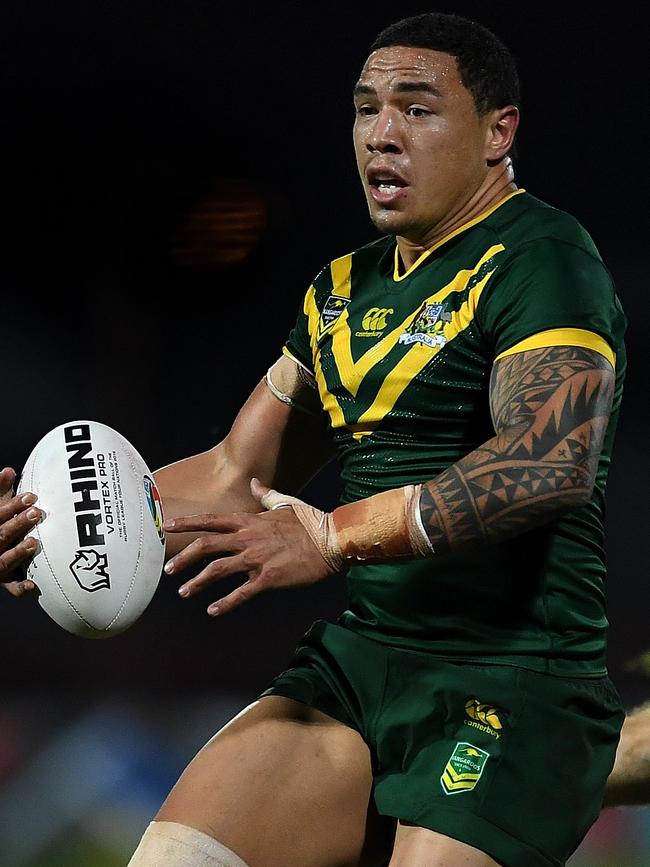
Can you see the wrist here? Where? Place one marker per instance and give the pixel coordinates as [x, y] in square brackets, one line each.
[377, 529]
[381, 528]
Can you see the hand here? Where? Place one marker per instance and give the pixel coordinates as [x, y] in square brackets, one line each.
[272, 547]
[17, 516]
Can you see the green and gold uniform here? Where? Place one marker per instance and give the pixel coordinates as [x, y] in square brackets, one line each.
[402, 363]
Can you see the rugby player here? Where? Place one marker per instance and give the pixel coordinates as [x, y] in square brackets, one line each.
[469, 364]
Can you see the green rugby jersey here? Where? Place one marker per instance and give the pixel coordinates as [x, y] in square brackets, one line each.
[402, 364]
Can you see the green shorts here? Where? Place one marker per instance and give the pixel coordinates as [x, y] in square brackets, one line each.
[505, 759]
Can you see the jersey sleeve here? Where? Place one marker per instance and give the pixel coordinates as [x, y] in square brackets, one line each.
[552, 293]
[298, 344]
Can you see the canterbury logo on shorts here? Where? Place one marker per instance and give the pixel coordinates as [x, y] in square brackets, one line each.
[483, 716]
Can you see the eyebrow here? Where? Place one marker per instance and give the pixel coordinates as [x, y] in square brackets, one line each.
[401, 87]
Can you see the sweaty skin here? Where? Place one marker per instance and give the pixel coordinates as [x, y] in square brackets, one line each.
[417, 124]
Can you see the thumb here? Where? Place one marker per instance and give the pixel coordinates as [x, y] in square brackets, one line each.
[269, 498]
[258, 490]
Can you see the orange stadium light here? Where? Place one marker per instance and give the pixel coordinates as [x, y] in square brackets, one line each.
[221, 228]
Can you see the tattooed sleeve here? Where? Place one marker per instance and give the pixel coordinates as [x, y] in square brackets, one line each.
[550, 409]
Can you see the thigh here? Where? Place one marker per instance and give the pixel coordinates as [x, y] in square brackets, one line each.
[282, 785]
[419, 847]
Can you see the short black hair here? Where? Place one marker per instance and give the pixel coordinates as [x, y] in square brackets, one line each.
[486, 67]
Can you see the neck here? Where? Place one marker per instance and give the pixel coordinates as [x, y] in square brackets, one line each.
[499, 183]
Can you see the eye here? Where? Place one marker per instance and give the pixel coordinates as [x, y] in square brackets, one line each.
[418, 111]
[365, 110]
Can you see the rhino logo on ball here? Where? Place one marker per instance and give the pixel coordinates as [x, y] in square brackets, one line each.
[90, 570]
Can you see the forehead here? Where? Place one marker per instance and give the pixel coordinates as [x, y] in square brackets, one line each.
[386, 67]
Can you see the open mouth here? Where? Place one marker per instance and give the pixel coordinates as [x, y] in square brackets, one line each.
[386, 185]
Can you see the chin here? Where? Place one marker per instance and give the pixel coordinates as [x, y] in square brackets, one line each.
[394, 223]
[388, 222]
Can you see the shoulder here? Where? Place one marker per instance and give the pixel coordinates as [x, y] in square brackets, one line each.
[550, 276]
[528, 226]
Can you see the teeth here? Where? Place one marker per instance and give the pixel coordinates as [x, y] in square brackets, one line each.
[387, 188]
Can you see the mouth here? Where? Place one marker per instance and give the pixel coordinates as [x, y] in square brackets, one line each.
[385, 184]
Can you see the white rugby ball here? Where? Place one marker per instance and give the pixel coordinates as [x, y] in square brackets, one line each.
[101, 543]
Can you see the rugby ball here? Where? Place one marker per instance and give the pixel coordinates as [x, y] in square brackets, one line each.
[101, 545]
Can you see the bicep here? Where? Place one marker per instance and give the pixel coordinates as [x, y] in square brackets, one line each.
[553, 401]
[283, 442]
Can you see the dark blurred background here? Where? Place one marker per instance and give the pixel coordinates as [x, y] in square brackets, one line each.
[173, 175]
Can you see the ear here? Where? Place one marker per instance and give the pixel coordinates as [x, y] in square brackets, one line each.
[500, 132]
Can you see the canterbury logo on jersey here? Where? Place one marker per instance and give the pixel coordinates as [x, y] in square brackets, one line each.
[483, 716]
[375, 318]
[374, 322]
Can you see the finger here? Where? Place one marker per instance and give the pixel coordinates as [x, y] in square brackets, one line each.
[20, 588]
[269, 498]
[7, 479]
[12, 530]
[233, 600]
[12, 558]
[205, 523]
[258, 490]
[13, 506]
[215, 571]
[199, 549]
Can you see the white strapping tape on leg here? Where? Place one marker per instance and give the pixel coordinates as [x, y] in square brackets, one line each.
[170, 844]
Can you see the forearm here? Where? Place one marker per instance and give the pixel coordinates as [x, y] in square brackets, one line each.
[495, 493]
[200, 484]
[486, 497]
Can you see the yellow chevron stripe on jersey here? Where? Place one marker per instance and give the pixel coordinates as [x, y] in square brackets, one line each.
[352, 373]
[330, 404]
[311, 312]
[414, 361]
[341, 270]
[563, 337]
[397, 276]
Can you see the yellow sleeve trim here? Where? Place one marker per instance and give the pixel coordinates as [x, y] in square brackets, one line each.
[290, 355]
[563, 337]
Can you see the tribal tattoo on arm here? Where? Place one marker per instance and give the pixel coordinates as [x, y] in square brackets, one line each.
[550, 409]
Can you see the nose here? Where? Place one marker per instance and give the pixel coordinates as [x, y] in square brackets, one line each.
[385, 135]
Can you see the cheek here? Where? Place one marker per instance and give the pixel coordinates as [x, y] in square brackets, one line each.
[358, 146]
[447, 160]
